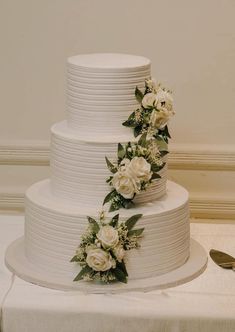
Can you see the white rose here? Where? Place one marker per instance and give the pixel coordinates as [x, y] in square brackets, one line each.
[99, 260]
[149, 100]
[159, 119]
[140, 168]
[124, 164]
[152, 85]
[108, 236]
[119, 252]
[125, 184]
[164, 101]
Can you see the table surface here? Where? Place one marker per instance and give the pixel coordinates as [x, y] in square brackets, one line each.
[205, 304]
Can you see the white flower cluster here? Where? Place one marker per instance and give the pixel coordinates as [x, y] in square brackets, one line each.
[161, 101]
[130, 175]
[99, 257]
[103, 248]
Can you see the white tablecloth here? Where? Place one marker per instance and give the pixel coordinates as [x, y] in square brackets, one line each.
[205, 304]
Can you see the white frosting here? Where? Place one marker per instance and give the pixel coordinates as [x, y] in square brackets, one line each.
[54, 227]
[100, 96]
[108, 62]
[79, 170]
[100, 91]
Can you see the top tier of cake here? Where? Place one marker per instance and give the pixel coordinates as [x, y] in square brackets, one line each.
[100, 92]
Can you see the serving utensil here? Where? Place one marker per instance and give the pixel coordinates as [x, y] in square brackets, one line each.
[223, 259]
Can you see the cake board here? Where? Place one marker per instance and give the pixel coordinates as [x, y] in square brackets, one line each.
[17, 263]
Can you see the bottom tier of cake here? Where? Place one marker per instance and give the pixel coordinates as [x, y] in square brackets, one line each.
[53, 229]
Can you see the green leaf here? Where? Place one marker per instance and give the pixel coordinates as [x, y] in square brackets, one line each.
[109, 180]
[131, 116]
[114, 207]
[114, 220]
[155, 168]
[94, 224]
[162, 144]
[143, 140]
[139, 95]
[127, 203]
[130, 122]
[166, 139]
[155, 176]
[91, 220]
[74, 259]
[136, 232]
[137, 130]
[84, 271]
[130, 223]
[166, 132]
[120, 275]
[121, 265]
[109, 196]
[162, 166]
[164, 153]
[111, 167]
[121, 151]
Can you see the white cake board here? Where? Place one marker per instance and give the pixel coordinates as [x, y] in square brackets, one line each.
[17, 263]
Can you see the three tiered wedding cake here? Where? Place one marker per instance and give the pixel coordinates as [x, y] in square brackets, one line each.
[89, 179]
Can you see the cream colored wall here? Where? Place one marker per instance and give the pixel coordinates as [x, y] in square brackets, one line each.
[192, 48]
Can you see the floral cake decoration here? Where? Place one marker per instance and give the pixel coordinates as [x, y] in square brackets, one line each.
[101, 253]
[154, 112]
[136, 167]
[103, 248]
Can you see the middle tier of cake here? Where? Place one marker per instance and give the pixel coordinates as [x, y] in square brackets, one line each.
[79, 170]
